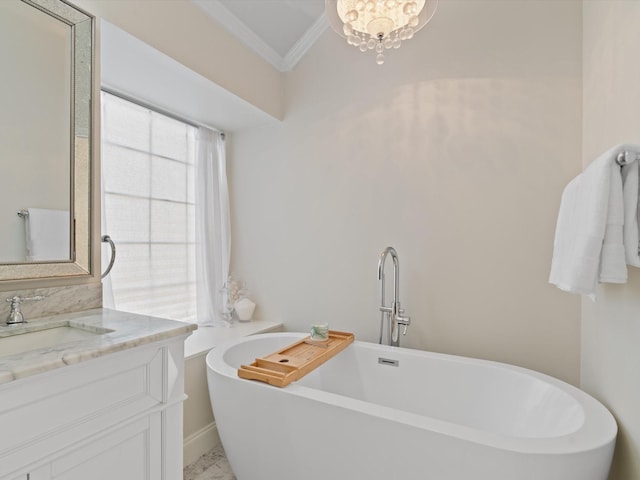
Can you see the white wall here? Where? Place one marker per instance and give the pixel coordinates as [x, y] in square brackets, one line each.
[455, 152]
[611, 326]
[181, 30]
[132, 67]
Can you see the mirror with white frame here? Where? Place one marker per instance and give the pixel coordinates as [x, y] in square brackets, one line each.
[46, 50]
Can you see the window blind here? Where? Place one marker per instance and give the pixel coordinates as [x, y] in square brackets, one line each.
[149, 208]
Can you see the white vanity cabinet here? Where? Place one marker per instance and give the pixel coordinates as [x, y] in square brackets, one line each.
[115, 417]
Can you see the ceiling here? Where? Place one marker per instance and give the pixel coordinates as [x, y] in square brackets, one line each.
[280, 31]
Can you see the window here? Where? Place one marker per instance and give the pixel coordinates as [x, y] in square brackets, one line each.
[149, 209]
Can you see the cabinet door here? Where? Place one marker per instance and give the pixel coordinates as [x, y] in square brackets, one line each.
[132, 452]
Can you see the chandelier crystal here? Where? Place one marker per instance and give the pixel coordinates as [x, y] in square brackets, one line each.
[378, 25]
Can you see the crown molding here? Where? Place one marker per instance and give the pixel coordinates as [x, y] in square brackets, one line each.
[303, 45]
[216, 10]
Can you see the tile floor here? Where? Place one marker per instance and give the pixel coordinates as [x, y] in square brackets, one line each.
[213, 465]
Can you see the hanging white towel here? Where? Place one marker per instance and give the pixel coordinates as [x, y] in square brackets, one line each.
[613, 268]
[47, 234]
[630, 174]
[588, 245]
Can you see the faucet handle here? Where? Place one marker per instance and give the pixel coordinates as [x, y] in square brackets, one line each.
[15, 315]
[34, 298]
[404, 321]
[17, 300]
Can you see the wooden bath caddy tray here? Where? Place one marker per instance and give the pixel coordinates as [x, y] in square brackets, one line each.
[296, 360]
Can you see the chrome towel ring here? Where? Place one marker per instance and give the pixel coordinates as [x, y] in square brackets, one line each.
[107, 239]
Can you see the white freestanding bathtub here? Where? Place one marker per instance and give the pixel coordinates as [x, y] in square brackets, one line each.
[388, 413]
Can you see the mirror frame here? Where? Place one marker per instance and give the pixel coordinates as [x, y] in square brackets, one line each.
[81, 142]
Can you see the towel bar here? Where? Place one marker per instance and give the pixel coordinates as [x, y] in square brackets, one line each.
[625, 157]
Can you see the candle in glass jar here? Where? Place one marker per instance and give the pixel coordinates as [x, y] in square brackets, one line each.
[320, 331]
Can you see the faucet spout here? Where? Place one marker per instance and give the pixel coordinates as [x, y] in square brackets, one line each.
[394, 313]
[396, 269]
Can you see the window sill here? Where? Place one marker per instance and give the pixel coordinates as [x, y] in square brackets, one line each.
[202, 340]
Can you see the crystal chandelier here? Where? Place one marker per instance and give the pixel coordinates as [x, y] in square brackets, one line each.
[379, 24]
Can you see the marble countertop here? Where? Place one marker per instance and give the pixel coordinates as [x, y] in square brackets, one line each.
[123, 331]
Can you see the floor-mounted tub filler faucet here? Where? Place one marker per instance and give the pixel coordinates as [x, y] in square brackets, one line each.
[394, 315]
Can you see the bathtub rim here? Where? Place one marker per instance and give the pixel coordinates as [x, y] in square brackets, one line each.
[598, 430]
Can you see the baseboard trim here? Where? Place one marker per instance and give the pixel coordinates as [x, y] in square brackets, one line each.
[200, 442]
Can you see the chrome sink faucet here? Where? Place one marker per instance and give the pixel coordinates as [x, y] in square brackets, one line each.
[393, 314]
[15, 315]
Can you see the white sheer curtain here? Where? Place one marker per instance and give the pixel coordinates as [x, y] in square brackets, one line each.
[107, 288]
[213, 238]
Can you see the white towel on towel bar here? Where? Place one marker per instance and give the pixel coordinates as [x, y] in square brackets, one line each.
[631, 235]
[47, 234]
[589, 243]
[613, 268]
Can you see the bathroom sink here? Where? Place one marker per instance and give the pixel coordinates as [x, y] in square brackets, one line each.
[50, 337]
